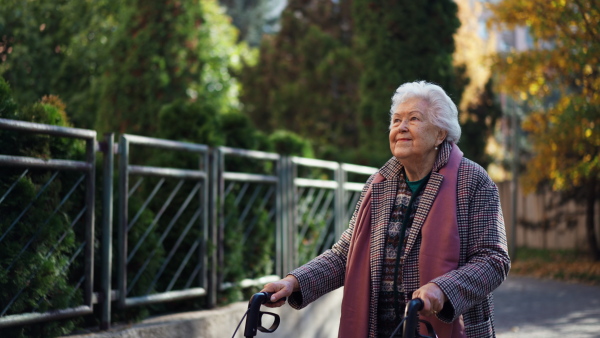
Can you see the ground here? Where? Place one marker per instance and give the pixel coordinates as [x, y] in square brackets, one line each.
[561, 265]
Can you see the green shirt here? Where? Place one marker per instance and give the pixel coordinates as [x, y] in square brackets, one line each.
[416, 185]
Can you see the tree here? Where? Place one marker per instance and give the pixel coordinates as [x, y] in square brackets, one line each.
[164, 51]
[559, 77]
[397, 42]
[55, 48]
[114, 63]
[305, 78]
[478, 123]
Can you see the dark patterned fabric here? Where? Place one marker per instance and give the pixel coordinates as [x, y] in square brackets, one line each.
[484, 261]
[390, 310]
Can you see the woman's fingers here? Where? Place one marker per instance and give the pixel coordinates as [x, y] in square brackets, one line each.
[433, 299]
[280, 289]
[278, 303]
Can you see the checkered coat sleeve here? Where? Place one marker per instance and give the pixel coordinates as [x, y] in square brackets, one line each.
[483, 261]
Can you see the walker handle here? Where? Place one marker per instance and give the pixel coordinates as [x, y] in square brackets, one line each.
[253, 321]
[411, 315]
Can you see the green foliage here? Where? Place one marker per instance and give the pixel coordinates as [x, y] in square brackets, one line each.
[333, 67]
[25, 29]
[260, 253]
[480, 122]
[117, 63]
[177, 50]
[305, 78]
[239, 132]
[8, 107]
[399, 42]
[249, 241]
[316, 222]
[189, 121]
[55, 47]
[37, 274]
[288, 143]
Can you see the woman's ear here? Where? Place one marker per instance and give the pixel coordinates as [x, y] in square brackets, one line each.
[442, 134]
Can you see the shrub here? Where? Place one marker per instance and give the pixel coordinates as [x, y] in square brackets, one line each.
[39, 229]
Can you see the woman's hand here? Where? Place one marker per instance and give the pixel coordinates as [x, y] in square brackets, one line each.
[281, 288]
[433, 298]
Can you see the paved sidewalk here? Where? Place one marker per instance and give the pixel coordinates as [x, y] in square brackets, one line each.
[524, 308]
[530, 307]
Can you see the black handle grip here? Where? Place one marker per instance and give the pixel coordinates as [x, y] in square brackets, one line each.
[410, 315]
[268, 297]
[253, 321]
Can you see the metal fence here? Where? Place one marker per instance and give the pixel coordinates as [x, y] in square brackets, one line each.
[19, 268]
[181, 231]
[323, 201]
[175, 203]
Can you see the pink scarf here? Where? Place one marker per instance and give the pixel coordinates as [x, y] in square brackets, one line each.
[438, 254]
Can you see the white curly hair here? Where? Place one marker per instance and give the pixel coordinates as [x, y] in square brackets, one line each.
[441, 109]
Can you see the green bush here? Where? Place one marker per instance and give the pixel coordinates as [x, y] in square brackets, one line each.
[39, 229]
[289, 143]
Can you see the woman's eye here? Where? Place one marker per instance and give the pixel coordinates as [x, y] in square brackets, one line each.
[414, 118]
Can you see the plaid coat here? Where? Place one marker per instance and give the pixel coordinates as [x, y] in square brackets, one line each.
[483, 262]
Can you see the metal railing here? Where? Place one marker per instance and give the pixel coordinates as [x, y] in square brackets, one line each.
[323, 200]
[182, 272]
[51, 172]
[171, 222]
[254, 201]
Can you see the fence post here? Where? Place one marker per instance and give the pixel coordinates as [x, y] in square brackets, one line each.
[205, 198]
[90, 186]
[220, 244]
[122, 224]
[291, 214]
[284, 215]
[212, 287]
[107, 230]
[280, 254]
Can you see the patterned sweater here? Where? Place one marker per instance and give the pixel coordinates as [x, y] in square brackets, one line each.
[483, 263]
[391, 304]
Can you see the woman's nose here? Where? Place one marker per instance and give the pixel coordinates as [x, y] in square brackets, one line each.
[403, 126]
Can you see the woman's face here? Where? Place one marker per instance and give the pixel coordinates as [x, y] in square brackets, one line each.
[412, 136]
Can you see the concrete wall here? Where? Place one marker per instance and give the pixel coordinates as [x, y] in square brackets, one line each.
[319, 320]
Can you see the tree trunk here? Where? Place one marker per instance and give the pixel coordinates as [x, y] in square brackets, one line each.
[589, 221]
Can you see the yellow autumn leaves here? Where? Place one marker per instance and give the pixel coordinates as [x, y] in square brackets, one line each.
[557, 80]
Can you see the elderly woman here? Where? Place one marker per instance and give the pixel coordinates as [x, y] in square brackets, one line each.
[428, 225]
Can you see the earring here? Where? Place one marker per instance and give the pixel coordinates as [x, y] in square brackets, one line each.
[436, 148]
